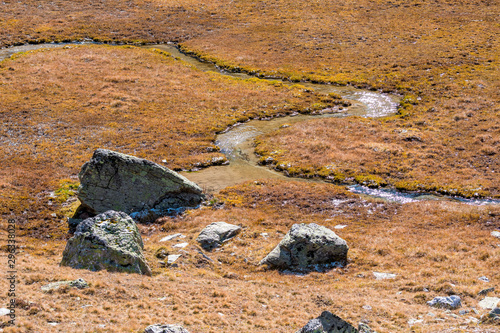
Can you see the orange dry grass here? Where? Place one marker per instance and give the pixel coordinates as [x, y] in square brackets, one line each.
[441, 246]
[384, 152]
[58, 106]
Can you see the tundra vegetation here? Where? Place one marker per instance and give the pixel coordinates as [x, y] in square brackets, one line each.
[57, 106]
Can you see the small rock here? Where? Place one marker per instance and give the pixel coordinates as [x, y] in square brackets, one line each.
[172, 258]
[115, 181]
[485, 292]
[494, 313]
[4, 311]
[217, 233]
[78, 283]
[165, 329]
[170, 237]
[451, 302]
[463, 312]
[489, 302]
[180, 245]
[413, 321]
[327, 323]
[495, 234]
[484, 279]
[367, 307]
[384, 276]
[306, 247]
[472, 320]
[364, 328]
[340, 226]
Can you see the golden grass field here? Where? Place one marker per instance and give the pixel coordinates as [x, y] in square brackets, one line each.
[58, 105]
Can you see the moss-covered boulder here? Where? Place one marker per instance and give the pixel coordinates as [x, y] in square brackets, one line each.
[109, 241]
[308, 247]
[115, 181]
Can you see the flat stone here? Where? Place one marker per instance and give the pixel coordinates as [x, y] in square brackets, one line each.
[165, 329]
[489, 302]
[452, 302]
[217, 233]
[180, 245]
[412, 321]
[115, 181]
[328, 323]
[494, 313]
[78, 283]
[170, 237]
[110, 241]
[340, 226]
[384, 276]
[484, 279]
[308, 247]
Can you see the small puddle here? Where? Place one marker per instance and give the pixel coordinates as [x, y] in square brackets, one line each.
[238, 142]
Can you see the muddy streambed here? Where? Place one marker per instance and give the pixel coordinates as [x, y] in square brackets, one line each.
[237, 143]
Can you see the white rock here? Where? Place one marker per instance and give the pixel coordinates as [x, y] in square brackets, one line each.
[451, 302]
[484, 279]
[489, 303]
[384, 276]
[495, 234]
[4, 311]
[340, 226]
[173, 258]
[181, 245]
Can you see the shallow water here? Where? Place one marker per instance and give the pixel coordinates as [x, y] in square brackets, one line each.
[237, 143]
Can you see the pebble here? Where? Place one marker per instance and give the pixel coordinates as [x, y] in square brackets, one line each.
[412, 321]
[451, 302]
[172, 258]
[170, 237]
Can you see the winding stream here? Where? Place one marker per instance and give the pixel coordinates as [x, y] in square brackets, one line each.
[237, 142]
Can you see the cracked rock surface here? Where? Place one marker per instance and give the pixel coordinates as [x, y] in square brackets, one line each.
[115, 181]
[308, 247]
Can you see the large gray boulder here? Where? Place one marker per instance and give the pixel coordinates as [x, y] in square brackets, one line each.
[217, 233]
[308, 247]
[451, 302]
[110, 241]
[165, 329]
[328, 323]
[115, 181]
